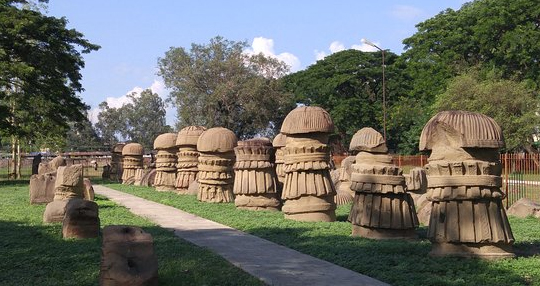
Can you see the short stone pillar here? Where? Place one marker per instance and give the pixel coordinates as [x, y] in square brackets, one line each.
[69, 185]
[42, 183]
[81, 219]
[88, 193]
[308, 192]
[115, 172]
[255, 180]
[464, 186]
[188, 158]
[216, 160]
[132, 158]
[127, 257]
[382, 208]
[343, 187]
[165, 144]
[278, 143]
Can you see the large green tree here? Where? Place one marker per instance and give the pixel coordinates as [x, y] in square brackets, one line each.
[218, 84]
[512, 104]
[348, 84]
[141, 120]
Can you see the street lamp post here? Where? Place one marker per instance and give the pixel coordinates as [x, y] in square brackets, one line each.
[383, 84]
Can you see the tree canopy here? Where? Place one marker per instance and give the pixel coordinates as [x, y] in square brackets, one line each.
[218, 84]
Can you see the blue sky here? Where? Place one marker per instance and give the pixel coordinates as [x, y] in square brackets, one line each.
[134, 34]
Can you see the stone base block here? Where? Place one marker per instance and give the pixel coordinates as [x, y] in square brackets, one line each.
[42, 188]
[165, 188]
[81, 219]
[258, 202]
[470, 250]
[383, 233]
[310, 208]
[55, 211]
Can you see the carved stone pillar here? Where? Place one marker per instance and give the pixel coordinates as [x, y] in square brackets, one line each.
[115, 172]
[188, 157]
[382, 208]
[132, 155]
[308, 191]
[68, 185]
[464, 186]
[216, 160]
[165, 144]
[255, 180]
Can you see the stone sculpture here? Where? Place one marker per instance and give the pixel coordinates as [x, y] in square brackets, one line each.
[42, 183]
[278, 143]
[81, 219]
[188, 158]
[68, 185]
[382, 208]
[88, 193]
[216, 160]
[464, 186]
[344, 194]
[165, 144]
[115, 172]
[132, 158]
[255, 180]
[308, 191]
[127, 257]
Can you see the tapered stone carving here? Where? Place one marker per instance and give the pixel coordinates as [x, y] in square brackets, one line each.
[165, 144]
[116, 169]
[68, 185]
[308, 191]
[464, 186]
[255, 180]
[188, 158]
[81, 219]
[216, 160]
[127, 257]
[382, 208]
[42, 183]
[132, 155]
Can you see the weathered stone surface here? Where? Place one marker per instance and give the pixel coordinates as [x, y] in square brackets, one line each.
[463, 174]
[81, 219]
[382, 208]
[69, 182]
[50, 167]
[55, 211]
[188, 157]
[42, 188]
[216, 161]
[127, 257]
[166, 160]
[308, 191]
[255, 180]
[343, 185]
[416, 180]
[88, 190]
[117, 168]
[193, 188]
[148, 177]
[524, 207]
[132, 159]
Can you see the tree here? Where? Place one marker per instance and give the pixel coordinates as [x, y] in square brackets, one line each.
[40, 62]
[141, 120]
[217, 84]
[82, 136]
[348, 84]
[512, 104]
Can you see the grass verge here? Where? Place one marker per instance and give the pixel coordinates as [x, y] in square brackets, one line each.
[395, 262]
[34, 253]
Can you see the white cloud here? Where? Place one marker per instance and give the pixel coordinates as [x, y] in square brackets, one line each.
[406, 13]
[336, 46]
[319, 55]
[266, 47]
[365, 47]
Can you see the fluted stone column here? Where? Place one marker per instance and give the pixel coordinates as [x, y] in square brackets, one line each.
[216, 160]
[116, 169]
[255, 180]
[382, 208]
[464, 186]
[188, 157]
[308, 192]
[344, 194]
[132, 155]
[165, 144]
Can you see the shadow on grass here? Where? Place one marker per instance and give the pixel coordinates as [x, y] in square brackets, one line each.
[527, 248]
[20, 182]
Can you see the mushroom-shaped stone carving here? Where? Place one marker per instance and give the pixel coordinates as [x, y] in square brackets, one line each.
[464, 186]
[165, 144]
[132, 155]
[216, 160]
[308, 191]
[255, 180]
[188, 157]
[382, 208]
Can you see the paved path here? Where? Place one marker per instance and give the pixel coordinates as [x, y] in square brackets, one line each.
[272, 263]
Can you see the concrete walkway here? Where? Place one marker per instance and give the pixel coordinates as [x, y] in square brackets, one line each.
[272, 263]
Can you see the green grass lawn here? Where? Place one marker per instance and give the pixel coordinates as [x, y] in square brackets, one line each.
[33, 253]
[395, 262]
